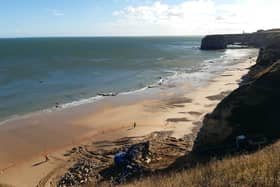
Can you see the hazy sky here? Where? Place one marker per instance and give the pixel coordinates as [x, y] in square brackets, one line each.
[25, 18]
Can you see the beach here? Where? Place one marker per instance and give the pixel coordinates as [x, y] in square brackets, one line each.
[139, 93]
[28, 139]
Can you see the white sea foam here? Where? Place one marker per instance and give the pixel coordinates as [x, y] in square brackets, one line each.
[134, 91]
[52, 109]
[210, 68]
[81, 101]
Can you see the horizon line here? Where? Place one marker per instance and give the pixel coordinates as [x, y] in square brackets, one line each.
[99, 36]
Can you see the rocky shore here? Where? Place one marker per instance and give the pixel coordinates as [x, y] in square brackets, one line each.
[252, 110]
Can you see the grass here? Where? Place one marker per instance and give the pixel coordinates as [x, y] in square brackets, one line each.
[257, 170]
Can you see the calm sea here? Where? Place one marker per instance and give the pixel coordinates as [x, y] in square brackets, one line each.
[37, 73]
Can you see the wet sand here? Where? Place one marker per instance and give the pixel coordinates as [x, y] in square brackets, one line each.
[24, 142]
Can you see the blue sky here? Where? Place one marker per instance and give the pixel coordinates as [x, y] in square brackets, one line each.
[27, 18]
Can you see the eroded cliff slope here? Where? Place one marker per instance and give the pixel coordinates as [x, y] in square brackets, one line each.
[253, 109]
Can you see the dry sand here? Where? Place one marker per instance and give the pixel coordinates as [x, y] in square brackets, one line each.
[24, 142]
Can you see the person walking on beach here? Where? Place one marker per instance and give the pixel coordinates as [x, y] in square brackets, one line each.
[134, 125]
[46, 157]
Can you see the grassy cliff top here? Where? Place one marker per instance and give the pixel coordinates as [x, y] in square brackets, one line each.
[261, 168]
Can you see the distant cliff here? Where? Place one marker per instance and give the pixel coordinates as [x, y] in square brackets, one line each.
[256, 39]
[253, 109]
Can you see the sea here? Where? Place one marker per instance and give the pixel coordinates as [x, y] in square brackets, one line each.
[42, 73]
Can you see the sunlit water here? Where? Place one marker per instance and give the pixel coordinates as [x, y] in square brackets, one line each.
[37, 73]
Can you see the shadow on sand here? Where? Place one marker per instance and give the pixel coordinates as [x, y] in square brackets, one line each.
[39, 163]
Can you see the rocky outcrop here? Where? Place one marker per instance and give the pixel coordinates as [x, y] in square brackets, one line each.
[252, 109]
[256, 39]
[213, 42]
[267, 56]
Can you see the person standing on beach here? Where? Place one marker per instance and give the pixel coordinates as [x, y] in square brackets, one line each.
[134, 125]
[46, 157]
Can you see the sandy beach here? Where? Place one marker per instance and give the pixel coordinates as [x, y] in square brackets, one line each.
[25, 141]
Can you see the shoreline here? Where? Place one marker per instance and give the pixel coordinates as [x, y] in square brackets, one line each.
[177, 113]
[172, 80]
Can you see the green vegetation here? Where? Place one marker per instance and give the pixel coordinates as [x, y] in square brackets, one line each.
[258, 169]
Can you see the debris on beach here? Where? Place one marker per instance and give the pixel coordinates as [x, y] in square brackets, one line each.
[130, 161]
[119, 161]
[107, 94]
[81, 173]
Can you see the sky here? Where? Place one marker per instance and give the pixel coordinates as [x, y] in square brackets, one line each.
[36, 18]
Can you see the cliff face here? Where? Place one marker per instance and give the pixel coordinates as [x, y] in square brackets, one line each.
[252, 109]
[213, 42]
[267, 56]
[257, 39]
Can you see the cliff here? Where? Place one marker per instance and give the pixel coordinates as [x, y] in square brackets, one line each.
[256, 39]
[252, 109]
[258, 169]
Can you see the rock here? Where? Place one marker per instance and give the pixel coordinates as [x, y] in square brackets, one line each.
[213, 42]
[79, 174]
